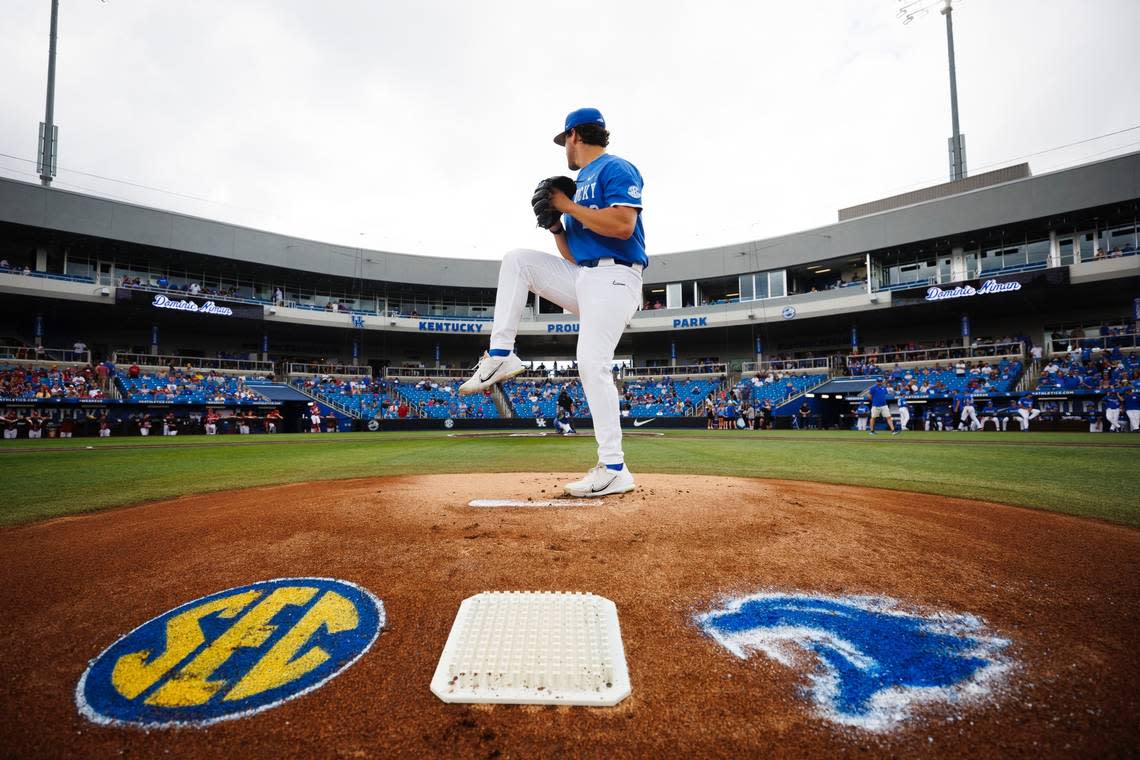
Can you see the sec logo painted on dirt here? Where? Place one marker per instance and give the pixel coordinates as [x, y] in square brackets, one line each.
[231, 654]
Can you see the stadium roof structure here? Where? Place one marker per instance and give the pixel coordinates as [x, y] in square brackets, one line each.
[1101, 183]
[844, 386]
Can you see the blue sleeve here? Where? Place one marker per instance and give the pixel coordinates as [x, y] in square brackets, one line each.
[621, 185]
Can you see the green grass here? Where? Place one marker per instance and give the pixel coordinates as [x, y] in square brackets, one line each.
[1092, 475]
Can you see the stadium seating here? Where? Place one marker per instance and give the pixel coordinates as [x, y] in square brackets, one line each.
[364, 397]
[977, 377]
[666, 397]
[524, 394]
[187, 387]
[776, 388]
[57, 384]
[1089, 370]
[435, 401]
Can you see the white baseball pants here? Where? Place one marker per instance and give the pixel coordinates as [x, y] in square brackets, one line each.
[968, 414]
[1026, 416]
[1113, 417]
[604, 298]
[1133, 419]
[904, 417]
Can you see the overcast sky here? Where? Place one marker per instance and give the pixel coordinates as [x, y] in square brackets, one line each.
[422, 127]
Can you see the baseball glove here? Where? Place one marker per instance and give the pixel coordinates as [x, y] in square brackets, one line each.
[545, 213]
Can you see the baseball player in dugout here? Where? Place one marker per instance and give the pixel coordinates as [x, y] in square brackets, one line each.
[596, 224]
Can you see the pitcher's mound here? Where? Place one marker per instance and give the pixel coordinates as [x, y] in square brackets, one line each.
[1062, 591]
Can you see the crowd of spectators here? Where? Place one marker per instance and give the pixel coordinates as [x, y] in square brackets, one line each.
[440, 399]
[1107, 335]
[973, 377]
[189, 288]
[706, 364]
[728, 409]
[6, 267]
[865, 360]
[1116, 252]
[370, 397]
[54, 383]
[538, 398]
[1091, 369]
[666, 397]
[186, 386]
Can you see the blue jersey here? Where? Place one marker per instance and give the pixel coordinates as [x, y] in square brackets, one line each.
[1025, 402]
[605, 182]
[878, 395]
[989, 409]
[862, 410]
[1132, 401]
[968, 399]
[902, 402]
[1111, 402]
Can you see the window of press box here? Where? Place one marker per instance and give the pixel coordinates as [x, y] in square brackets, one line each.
[760, 285]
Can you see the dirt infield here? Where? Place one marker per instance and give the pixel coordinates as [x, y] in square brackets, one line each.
[1064, 591]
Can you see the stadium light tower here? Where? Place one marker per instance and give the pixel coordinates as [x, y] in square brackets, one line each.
[908, 11]
[47, 153]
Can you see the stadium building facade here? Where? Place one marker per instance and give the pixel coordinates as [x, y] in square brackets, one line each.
[1011, 255]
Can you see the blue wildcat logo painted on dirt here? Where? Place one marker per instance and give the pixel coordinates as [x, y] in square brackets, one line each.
[872, 661]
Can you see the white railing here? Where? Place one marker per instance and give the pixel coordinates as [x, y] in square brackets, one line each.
[46, 355]
[317, 395]
[315, 368]
[427, 372]
[1065, 345]
[809, 365]
[121, 358]
[943, 353]
[568, 373]
[684, 370]
[463, 374]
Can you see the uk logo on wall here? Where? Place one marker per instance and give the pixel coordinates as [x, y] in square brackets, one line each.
[868, 662]
[231, 654]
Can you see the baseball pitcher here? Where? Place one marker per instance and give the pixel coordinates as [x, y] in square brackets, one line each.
[596, 224]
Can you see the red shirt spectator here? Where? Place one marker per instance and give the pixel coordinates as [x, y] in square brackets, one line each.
[402, 410]
[133, 371]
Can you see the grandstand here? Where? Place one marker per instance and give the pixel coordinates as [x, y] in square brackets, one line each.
[436, 401]
[534, 398]
[667, 397]
[775, 388]
[216, 315]
[360, 397]
[193, 388]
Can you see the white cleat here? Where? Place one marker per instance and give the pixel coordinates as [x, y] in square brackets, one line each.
[491, 370]
[602, 481]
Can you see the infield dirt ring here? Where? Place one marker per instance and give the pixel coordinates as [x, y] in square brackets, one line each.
[758, 618]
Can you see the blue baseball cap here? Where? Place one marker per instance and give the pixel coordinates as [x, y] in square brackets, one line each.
[577, 118]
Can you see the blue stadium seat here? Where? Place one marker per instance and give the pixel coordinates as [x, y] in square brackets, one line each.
[524, 394]
[1002, 378]
[661, 397]
[366, 397]
[777, 390]
[443, 401]
[187, 387]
